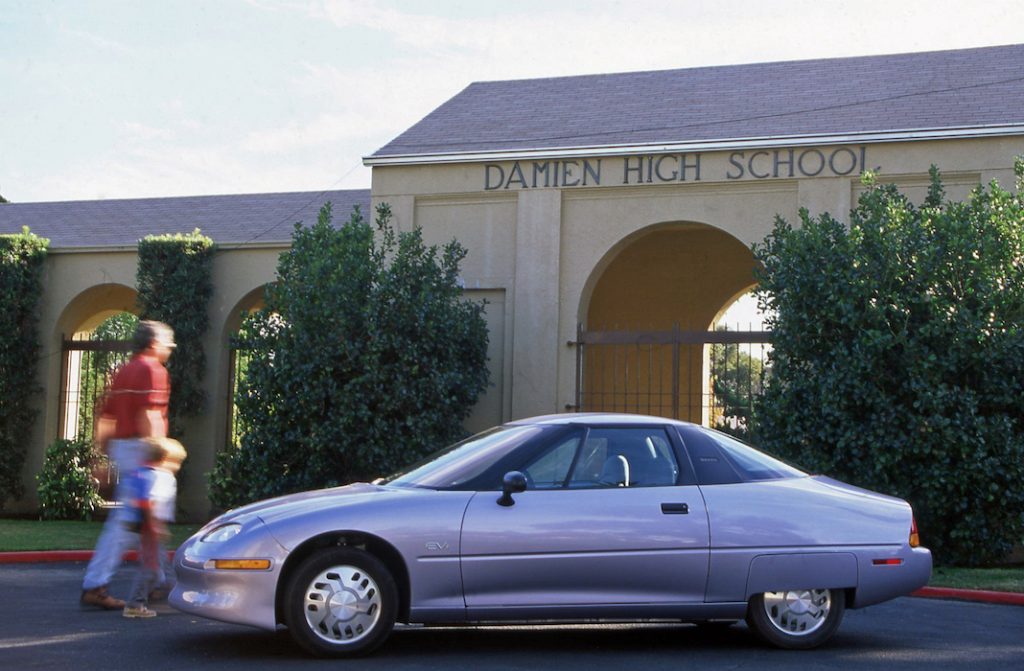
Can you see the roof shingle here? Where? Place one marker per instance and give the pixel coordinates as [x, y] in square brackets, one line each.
[933, 90]
[232, 219]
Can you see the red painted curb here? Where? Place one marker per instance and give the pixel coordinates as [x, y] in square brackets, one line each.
[986, 596]
[47, 556]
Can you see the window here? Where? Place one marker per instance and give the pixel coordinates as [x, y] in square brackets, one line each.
[550, 470]
[613, 457]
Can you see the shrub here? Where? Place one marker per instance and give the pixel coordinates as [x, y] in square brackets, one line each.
[67, 490]
[21, 269]
[898, 360]
[364, 359]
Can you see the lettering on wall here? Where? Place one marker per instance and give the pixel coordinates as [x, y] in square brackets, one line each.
[680, 167]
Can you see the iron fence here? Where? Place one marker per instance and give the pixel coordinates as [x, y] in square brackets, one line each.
[707, 377]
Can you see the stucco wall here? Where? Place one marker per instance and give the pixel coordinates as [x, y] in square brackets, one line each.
[547, 248]
[536, 255]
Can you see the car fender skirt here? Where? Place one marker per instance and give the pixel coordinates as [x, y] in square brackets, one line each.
[803, 570]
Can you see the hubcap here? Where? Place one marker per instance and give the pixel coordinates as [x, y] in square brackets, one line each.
[798, 612]
[342, 604]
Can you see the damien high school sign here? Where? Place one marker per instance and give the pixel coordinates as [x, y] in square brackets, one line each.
[677, 167]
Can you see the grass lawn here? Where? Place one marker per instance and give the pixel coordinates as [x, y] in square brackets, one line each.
[1003, 579]
[20, 535]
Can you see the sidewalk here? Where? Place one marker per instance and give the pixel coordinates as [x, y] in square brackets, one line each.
[978, 595]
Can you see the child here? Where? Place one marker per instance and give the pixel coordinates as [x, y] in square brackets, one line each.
[152, 491]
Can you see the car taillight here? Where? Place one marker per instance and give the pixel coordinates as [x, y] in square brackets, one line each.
[915, 540]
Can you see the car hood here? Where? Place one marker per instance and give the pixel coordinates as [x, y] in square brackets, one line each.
[294, 505]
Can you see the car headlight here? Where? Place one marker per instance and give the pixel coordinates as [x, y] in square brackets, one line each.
[221, 534]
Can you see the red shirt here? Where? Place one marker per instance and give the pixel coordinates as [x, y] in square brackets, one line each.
[141, 384]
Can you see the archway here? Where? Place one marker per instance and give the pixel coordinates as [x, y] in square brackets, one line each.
[647, 319]
[93, 344]
[237, 361]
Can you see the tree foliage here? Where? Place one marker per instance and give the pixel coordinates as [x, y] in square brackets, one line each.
[736, 383]
[898, 359]
[174, 279]
[364, 359]
[21, 271]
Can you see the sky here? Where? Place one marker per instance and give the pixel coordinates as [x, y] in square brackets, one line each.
[148, 98]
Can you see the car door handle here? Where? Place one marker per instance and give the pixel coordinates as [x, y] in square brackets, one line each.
[675, 508]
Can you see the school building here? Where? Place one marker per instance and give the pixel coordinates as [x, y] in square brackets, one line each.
[608, 219]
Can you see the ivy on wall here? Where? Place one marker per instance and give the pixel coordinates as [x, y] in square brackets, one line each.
[174, 279]
[21, 269]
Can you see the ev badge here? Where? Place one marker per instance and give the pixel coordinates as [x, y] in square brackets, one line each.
[434, 546]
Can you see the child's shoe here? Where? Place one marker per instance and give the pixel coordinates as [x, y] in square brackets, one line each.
[138, 611]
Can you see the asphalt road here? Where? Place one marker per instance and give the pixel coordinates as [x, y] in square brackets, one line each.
[43, 627]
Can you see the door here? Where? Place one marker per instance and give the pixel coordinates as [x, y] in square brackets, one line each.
[604, 520]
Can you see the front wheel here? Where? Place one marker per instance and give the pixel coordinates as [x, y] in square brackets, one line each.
[341, 603]
[797, 619]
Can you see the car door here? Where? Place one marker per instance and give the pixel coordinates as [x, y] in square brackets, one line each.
[606, 519]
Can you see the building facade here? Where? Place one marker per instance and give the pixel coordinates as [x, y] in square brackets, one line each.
[608, 218]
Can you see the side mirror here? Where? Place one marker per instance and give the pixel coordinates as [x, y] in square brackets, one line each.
[513, 483]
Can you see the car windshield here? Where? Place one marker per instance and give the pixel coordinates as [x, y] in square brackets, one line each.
[464, 461]
[753, 464]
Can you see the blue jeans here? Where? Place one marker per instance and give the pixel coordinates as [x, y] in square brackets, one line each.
[115, 539]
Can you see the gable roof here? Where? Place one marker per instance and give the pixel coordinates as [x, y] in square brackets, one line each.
[251, 218]
[869, 98]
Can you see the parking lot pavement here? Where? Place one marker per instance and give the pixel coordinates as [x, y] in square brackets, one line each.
[43, 627]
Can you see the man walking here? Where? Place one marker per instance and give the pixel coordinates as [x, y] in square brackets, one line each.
[135, 408]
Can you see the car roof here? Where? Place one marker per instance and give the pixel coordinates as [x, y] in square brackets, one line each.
[596, 418]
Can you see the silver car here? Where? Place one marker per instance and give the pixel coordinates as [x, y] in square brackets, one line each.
[560, 518]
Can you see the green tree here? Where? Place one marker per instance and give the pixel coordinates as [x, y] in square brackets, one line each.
[21, 273]
[898, 360]
[364, 359]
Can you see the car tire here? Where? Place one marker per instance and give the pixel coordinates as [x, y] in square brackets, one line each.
[340, 602]
[796, 619]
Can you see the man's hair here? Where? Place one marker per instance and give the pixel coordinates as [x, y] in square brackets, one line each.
[147, 332]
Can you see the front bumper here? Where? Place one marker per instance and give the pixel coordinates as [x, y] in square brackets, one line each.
[236, 596]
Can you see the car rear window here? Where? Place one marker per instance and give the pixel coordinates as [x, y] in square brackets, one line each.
[750, 463]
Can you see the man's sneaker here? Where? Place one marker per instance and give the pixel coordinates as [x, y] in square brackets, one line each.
[138, 611]
[99, 598]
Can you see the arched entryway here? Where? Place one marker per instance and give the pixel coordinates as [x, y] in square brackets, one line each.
[645, 330]
[95, 330]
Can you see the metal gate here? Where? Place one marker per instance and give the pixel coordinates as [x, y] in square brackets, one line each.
[86, 369]
[700, 376]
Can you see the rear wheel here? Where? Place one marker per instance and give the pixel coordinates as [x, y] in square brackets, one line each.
[796, 619]
[341, 603]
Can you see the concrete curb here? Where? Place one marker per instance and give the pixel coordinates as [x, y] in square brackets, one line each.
[979, 595]
[984, 596]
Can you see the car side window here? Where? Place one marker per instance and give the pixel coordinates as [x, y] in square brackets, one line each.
[625, 457]
[550, 469]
